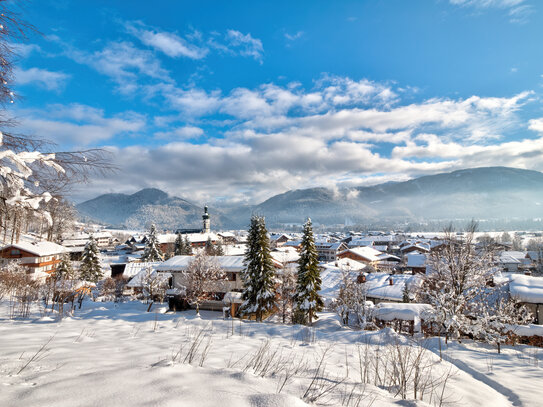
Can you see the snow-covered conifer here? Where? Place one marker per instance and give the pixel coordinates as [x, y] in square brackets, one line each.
[308, 300]
[179, 245]
[152, 250]
[90, 269]
[259, 276]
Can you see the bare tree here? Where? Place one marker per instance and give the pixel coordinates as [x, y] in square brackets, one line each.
[286, 288]
[202, 279]
[154, 286]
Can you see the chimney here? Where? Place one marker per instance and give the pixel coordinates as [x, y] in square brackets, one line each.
[390, 281]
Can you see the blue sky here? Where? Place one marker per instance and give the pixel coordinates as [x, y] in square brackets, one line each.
[237, 101]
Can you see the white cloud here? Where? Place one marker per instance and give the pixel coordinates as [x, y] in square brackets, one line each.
[123, 63]
[536, 125]
[244, 44]
[518, 10]
[295, 36]
[169, 43]
[42, 77]
[78, 125]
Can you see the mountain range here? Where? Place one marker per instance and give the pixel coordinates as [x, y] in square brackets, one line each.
[479, 193]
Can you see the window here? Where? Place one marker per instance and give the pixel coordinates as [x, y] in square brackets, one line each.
[15, 252]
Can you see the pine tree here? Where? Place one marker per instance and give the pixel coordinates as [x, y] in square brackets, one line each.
[308, 300]
[179, 246]
[90, 269]
[259, 276]
[152, 250]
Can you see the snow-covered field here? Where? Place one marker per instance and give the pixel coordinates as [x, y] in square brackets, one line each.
[117, 354]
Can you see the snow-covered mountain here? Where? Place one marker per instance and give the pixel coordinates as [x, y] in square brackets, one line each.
[147, 206]
[480, 193]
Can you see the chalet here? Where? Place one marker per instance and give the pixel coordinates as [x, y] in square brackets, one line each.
[415, 247]
[365, 254]
[228, 238]
[278, 240]
[232, 266]
[529, 291]
[416, 262]
[39, 258]
[384, 287]
[328, 251]
[512, 260]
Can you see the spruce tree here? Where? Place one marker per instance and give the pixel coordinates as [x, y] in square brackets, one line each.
[179, 246]
[188, 247]
[90, 269]
[64, 269]
[259, 275]
[308, 300]
[405, 294]
[152, 250]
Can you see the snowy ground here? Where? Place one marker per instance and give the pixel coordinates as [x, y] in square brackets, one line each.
[110, 354]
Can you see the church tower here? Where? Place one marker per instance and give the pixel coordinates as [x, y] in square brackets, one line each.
[207, 222]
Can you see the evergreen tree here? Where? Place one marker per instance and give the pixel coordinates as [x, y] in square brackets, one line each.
[64, 269]
[209, 249]
[90, 269]
[179, 246]
[405, 294]
[259, 276]
[213, 249]
[188, 247]
[152, 250]
[308, 300]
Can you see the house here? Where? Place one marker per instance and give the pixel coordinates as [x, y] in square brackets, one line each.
[39, 258]
[278, 240]
[231, 265]
[364, 254]
[512, 260]
[328, 251]
[529, 291]
[228, 238]
[416, 262]
[384, 287]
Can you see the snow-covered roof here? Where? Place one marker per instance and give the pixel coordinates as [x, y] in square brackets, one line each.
[285, 255]
[39, 249]
[346, 264]
[508, 259]
[166, 238]
[180, 263]
[526, 288]
[368, 253]
[133, 269]
[405, 311]
[415, 259]
[378, 285]
[418, 247]
[137, 281]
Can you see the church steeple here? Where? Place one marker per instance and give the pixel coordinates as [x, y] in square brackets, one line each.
[207, 222]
